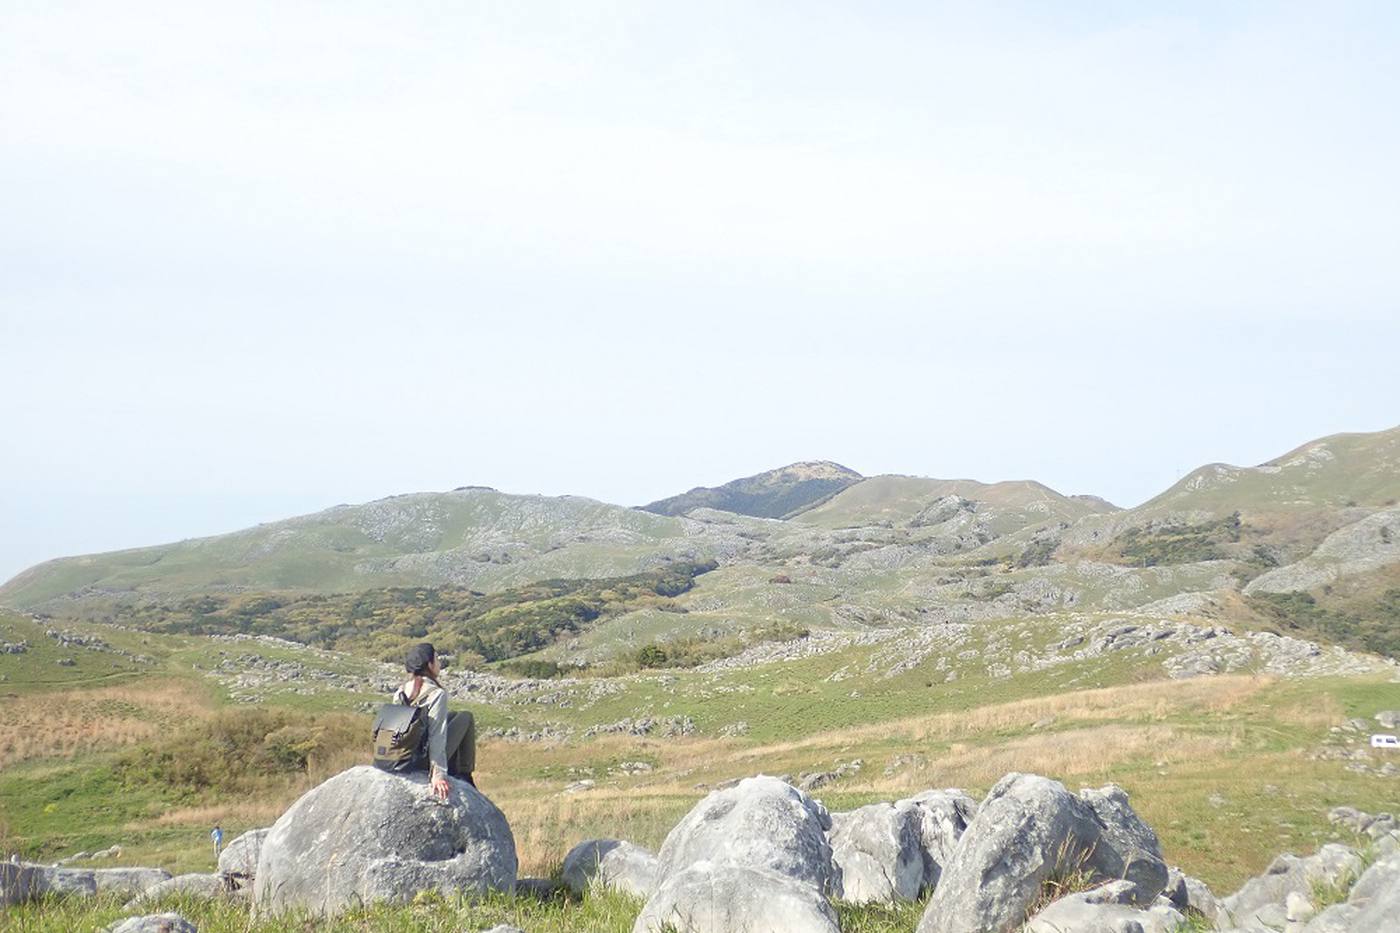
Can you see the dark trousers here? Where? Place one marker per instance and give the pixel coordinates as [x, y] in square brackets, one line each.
[461, 743]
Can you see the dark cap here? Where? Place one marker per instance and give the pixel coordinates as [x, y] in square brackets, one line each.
[418, 658]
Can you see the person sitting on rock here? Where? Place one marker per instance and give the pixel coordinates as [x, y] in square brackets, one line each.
[451, 736]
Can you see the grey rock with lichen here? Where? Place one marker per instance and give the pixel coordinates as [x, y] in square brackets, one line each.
[1030, 830]
[761, 823]
[610, 863]
[708, 898]
[880, 853]
[366, 835]
[1105, 909]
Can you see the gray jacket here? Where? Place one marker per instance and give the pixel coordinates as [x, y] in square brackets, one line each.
[434, 698]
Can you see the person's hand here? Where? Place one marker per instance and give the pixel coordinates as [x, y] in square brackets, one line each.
[440, 786]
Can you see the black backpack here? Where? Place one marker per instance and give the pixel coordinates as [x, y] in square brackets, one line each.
[401, 738]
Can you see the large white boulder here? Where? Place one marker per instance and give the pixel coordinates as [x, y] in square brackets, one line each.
[708, 898]
[610, 863]
[880, 853]
[761, 822]
[1030, 830]
[366, 835]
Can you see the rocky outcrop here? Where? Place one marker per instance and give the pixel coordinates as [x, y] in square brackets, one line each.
[1190, 896]
[761, 822]
[366, 835]
[1031, 830]
[880, 853]
[943, 817]
[610, 863]
[753, 857]
[708, 898]
[1106, 909]
[1264, 900]
[23, 881]
[239, 860]
[1360, 547]
[196, 885]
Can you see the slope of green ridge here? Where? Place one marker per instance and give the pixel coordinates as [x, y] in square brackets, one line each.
[468, 537]
[779, 493]
[1343, 470]
[905, 500]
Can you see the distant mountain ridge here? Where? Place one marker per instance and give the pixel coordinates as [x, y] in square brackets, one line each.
[1306, 542]
[780, 493]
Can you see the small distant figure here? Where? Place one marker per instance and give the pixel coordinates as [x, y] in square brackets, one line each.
[217, 834]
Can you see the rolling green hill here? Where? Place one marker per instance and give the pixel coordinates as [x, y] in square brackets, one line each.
[470, 537]
[850, 553]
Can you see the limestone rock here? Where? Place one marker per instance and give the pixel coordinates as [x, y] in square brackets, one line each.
[1030, 829]
[154, 923]
[1130, 838]
[1191, 895]
[760, 823]
[239, 860]
[212, 885]
[880, 853]
[611, 863]
[1106, 909]
[708, 898]
[943, 818]
[366, 835]
[1288, 874]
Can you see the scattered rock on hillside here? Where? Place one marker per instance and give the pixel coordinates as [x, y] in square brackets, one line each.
[1030, 829]
[366, 835]
[239, 860]
[813, 779]
[1106, 909]
[1362, 823]
[760, 823]
[196, 885]
[708, 898]
[611, 863]
[1191, 895]
[154, 923]
[24, 881]
[880, 853]
[1262, 900]
[1390, 718]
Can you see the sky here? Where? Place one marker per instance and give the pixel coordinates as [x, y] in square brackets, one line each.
[258, 259]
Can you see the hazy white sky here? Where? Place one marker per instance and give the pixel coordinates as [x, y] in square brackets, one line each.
[258, 259]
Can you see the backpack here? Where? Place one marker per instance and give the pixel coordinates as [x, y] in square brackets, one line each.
[401, 738]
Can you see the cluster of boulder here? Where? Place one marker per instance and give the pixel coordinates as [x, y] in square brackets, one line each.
[763, 855]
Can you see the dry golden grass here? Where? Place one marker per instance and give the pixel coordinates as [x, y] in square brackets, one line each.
[1098, 732]
[67, 722]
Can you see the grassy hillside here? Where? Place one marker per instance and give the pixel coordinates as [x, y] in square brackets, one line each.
[778, 493]
[1341, 471]
[1230, 769]
[475, 538]
[913, 500]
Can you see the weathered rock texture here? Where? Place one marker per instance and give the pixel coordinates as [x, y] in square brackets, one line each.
[154, 923]
[610, 863]
[879, 851]
[761, 822]
[709, 898]
[1105, 909]
[1030, 830]
[366, 835]
[239, 860]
